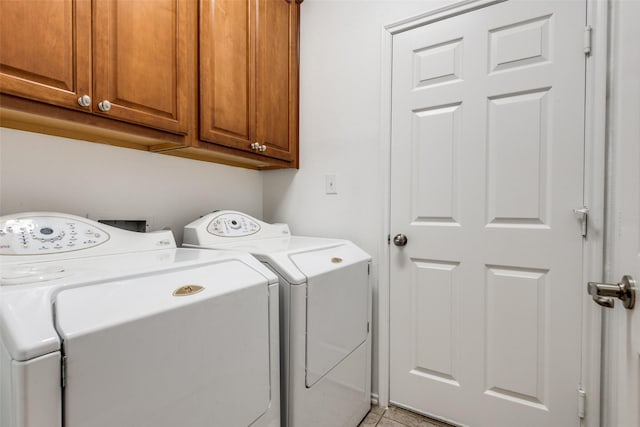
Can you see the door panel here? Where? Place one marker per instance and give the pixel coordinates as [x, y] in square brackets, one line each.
[277, 78]
[249, 75]
[141, 60]
[45, 50]
[487, 167]
[227, 74]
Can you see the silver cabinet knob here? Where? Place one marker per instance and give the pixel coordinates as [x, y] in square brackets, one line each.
[262, 148]
[104, 105]
[255, 146]
[603, 293]
[84, 101]
[400, 240]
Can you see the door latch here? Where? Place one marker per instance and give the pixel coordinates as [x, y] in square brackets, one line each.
[583, 214]
[603, 293]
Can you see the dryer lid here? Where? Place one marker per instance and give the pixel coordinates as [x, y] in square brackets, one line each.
[313, 261]
[338, 301]
[271, 244]
[309, 260]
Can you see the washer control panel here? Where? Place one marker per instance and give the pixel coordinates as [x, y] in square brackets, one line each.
[233, 224]
[40, 235]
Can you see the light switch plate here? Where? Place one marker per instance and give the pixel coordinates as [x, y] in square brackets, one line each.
[330, 184]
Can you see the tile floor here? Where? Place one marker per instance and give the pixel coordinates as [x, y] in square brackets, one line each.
[396, 417]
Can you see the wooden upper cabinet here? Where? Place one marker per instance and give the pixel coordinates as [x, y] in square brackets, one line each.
[207, 79]
[277, 77]
[45, 50]
[132, 59]
[141, 61]
[227, 74]
[249, 75]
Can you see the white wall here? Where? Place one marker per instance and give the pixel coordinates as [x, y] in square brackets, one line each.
[340, 78]
[42, 172]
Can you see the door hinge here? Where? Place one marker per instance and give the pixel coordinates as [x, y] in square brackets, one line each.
[587, 40]
[367, 327]
[388, 239]
[582, 398]
[63, 371]
[583, 214]
[369, 269]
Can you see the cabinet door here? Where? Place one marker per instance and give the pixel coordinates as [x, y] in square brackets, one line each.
[45, 50]
[277, 78]
[227, 73]
[141, 61]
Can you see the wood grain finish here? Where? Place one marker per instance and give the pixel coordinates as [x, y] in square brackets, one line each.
[45, 50]
[227, 75]
[141, 61]
[146, 58]
[249, 75]
[24, 114]
[277, 78]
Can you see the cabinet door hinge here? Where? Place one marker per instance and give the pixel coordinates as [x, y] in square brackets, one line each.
[582, 398]
[369, 269]
[368, 327]
[587, 40]
[63, 371]
[388, 239]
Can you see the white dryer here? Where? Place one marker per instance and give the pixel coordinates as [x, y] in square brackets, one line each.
[101, 327]
[325, 315]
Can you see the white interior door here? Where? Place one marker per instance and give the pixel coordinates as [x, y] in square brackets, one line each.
[486, 169]
[622, 346]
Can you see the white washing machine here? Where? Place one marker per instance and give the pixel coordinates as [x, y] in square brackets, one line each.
[325, 315]
[101, 327]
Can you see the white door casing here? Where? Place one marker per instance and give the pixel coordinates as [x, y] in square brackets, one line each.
[622, 340]
[487, 166]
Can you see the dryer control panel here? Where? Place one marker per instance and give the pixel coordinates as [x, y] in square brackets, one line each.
[38, 235]
[230, 226]
[233, 224]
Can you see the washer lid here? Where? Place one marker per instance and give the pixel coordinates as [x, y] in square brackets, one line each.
[26, 316]
[30, 273]
[161, 349]
[117, 302]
